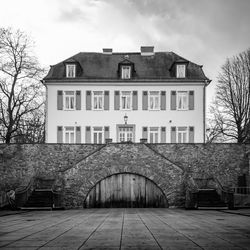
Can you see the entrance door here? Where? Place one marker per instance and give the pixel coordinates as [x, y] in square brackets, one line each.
[125, 190]
[125, 133]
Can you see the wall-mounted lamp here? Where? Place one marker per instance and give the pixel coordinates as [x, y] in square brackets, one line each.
[125, 119]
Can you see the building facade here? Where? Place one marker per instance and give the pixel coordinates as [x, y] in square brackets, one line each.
[155, 96]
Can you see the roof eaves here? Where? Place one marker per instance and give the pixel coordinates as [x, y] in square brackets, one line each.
[122, 80]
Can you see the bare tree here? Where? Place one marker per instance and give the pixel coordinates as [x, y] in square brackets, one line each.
[32, 128]
[20, 90]
[231, 109]
[216, 129]
[213, 133]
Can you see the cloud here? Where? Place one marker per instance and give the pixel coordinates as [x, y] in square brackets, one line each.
[72, 15]
[212, 22]
[74, 11]
[205, 32]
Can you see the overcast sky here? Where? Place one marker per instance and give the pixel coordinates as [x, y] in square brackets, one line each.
[203, 31]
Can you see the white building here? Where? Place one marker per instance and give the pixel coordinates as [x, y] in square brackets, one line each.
[158, 96]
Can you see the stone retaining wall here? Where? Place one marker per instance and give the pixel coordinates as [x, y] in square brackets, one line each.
[78, 167]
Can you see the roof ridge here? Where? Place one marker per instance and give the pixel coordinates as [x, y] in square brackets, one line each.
[71, 57]
[181, 57]
[117, 53]
[187, 59]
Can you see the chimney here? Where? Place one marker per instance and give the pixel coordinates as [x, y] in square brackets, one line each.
[107, 51]
[147, 50]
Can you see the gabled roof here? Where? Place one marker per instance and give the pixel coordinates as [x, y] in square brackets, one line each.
[99, 66]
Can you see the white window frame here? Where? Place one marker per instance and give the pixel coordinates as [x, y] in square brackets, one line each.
[68, 129]
[182, 134]
[181, 95]
[98, 131]
[69, 97]
[154, 135]
[180, 70]
[98, 95]
[126, 72]
[70, 70]
[128, 100]
[126, 132]
[153, 95]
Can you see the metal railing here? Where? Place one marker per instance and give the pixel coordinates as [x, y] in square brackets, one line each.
[241, 197]
[241, 190]
[3, 199]
[226, 195]
[57, 199]
[23, 193]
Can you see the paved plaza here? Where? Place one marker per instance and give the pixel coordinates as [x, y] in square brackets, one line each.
[126, 229]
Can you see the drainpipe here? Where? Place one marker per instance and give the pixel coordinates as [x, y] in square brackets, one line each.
[248, 156]
[46, 111]
[204, 111]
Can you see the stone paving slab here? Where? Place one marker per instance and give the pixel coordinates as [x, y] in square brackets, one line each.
[242, 211]
[11, 212]
[124, 228]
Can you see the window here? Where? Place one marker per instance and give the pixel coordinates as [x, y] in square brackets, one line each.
[98, 100]
[182, 134]
[71, 70]
[154, 100]
[69, 135]
[126, 134]
[182, 100]
[126, 100]
[69, 100]
[98, 135]
[180, 70]
[153, 134]
[126, 72]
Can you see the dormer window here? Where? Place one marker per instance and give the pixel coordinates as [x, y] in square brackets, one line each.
[180, 70]
[70, 70]
[126, 72]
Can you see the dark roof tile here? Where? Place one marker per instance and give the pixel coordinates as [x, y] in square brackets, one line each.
[101, 66]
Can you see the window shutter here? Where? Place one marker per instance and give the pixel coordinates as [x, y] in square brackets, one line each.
[163, 100]
[59, 100]
[173, 100]
[135, 100]
[106, 133]
[191, 134]
[106, 100]
[163, 134]
[173, 134]
[191, 100]
[117, 100]
[88, 135]
[78, 134]
[78, 100]
[88, 100]
[144, 100]
[59, 134]
[144, 133]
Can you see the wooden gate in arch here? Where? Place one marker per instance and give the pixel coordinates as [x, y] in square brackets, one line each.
[125, 190]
